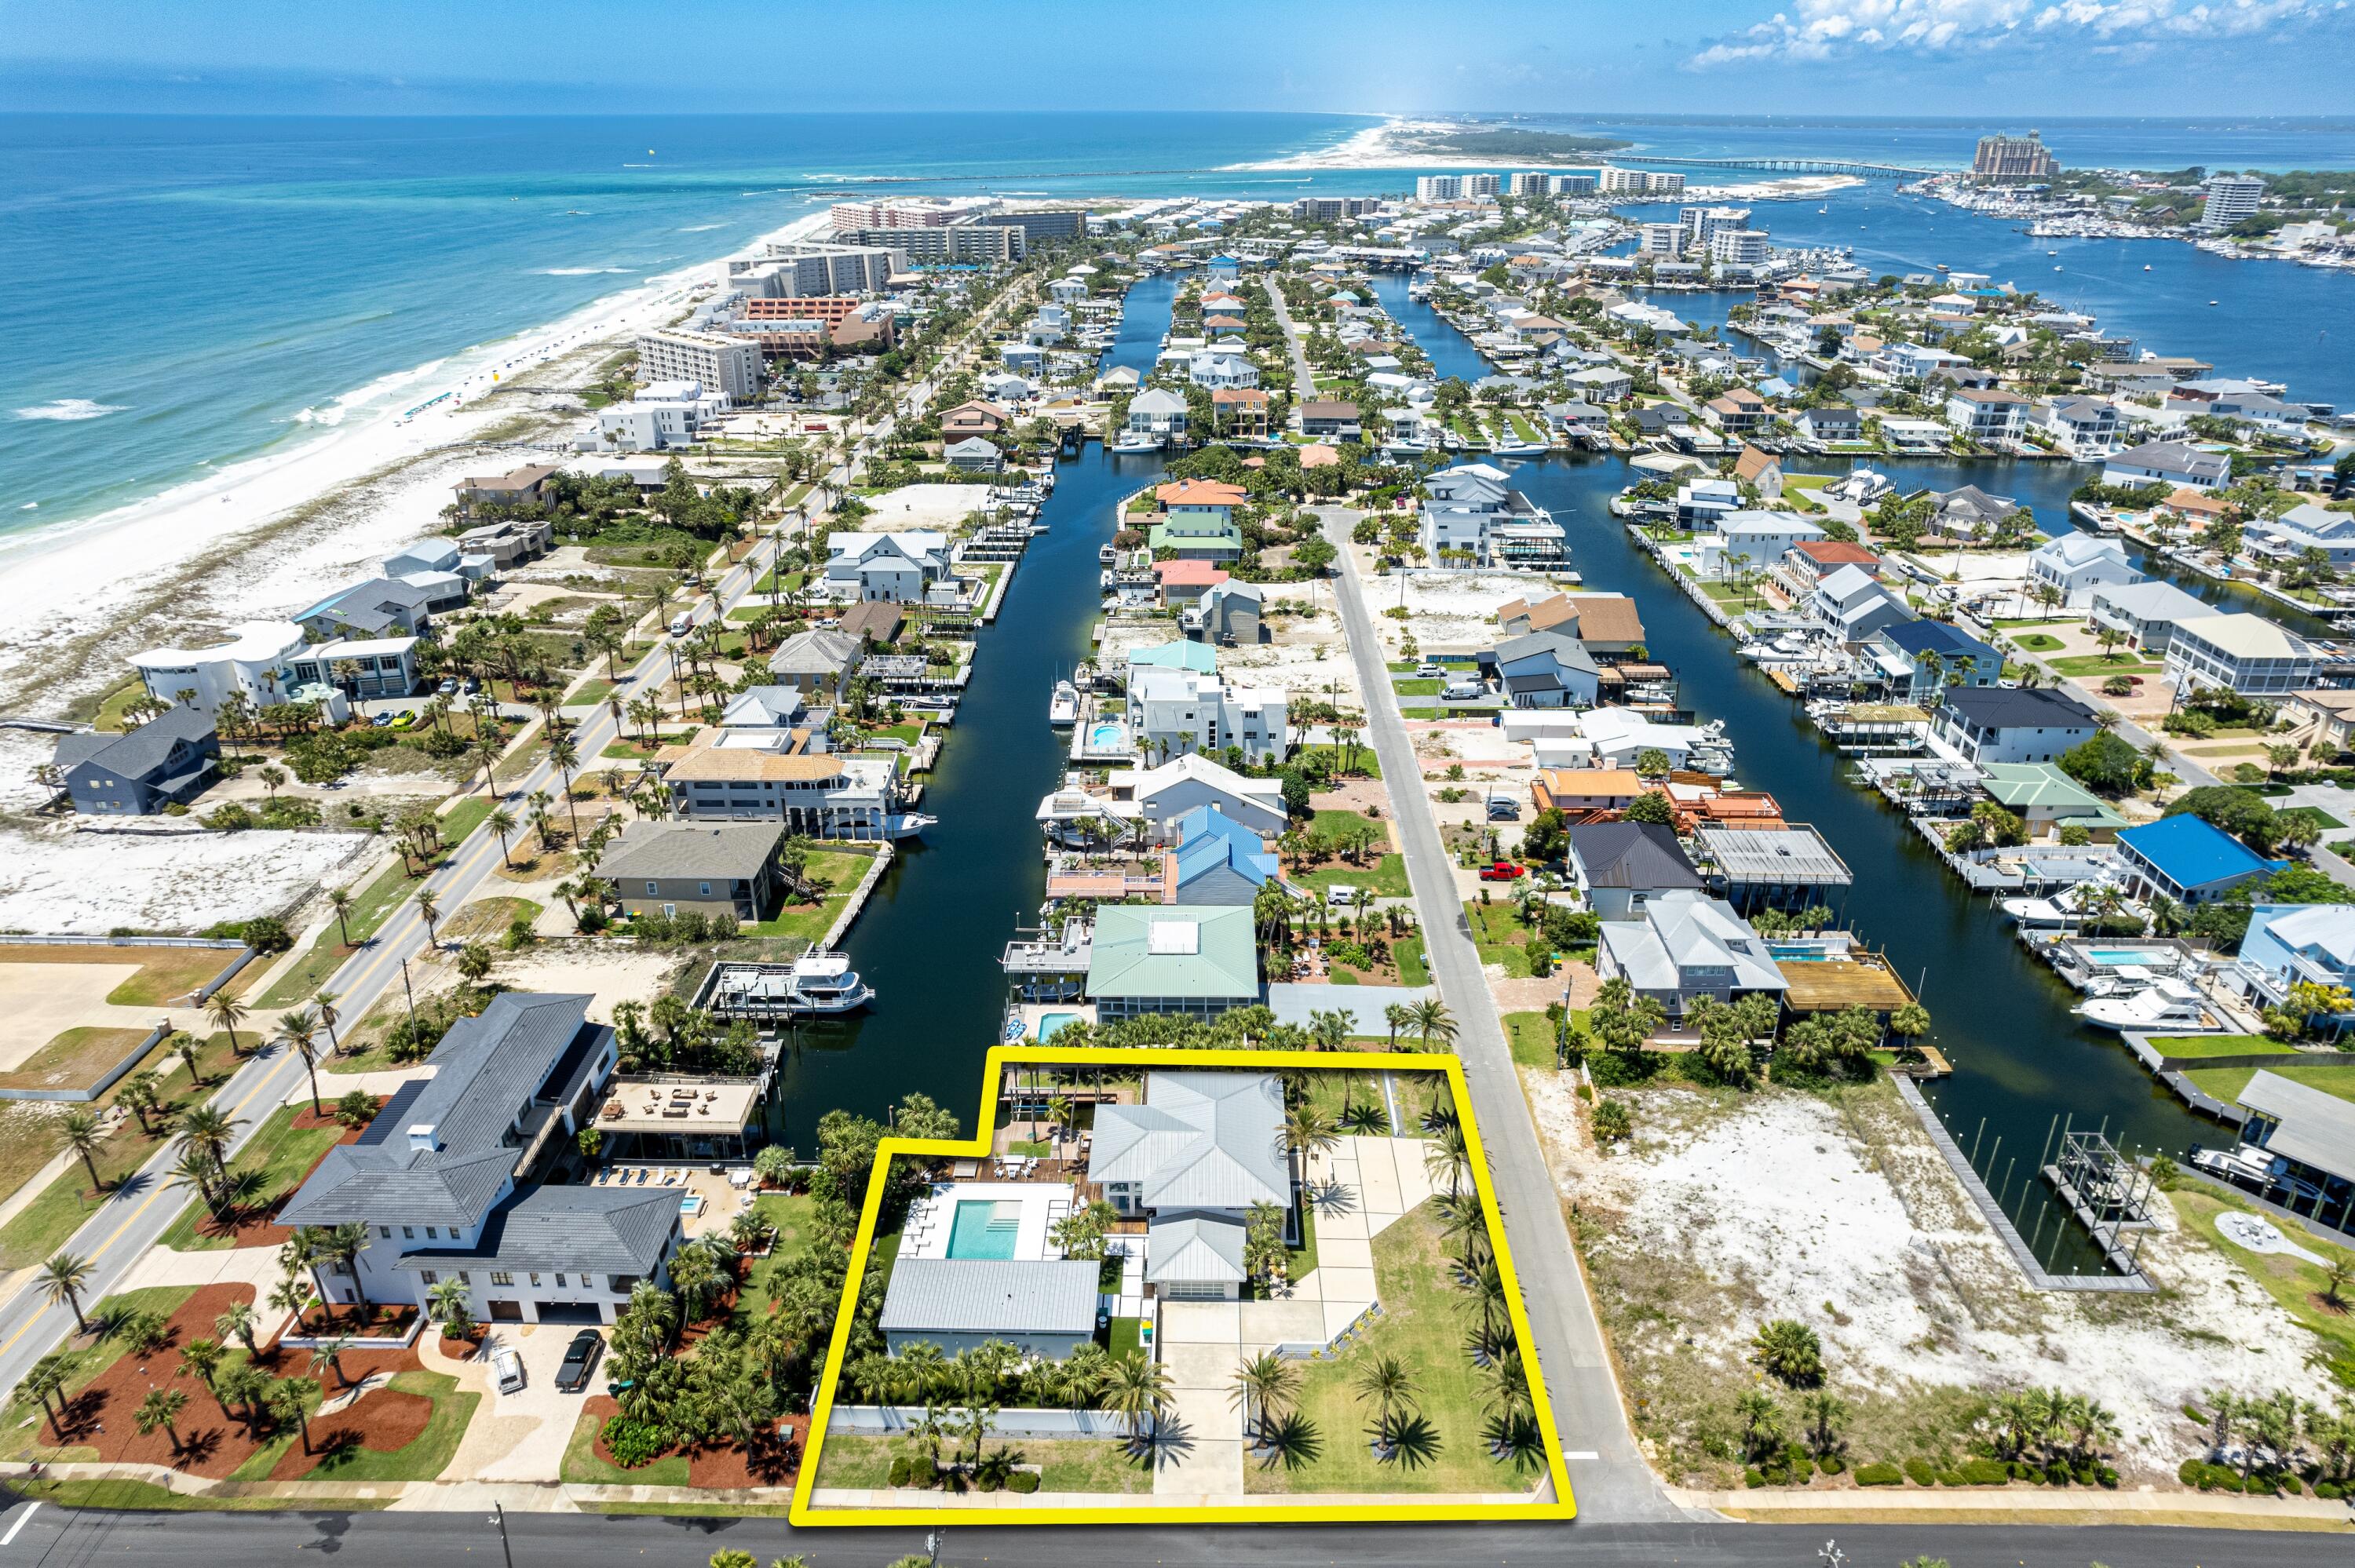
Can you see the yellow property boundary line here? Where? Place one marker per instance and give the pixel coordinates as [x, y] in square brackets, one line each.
[1136, 1511]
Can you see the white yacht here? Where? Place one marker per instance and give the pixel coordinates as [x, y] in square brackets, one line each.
[825, 982]
[1109, 554]
[1063, 708]
[1135, 441]
[1859, 486]
[2065, 907]
[2167, 1004]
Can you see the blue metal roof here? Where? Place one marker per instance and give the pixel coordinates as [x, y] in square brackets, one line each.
[2192, 851]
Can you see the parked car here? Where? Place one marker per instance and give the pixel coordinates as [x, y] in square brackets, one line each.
[507, 1371]
[381, 721]
[448, 688]
[1502, 871]
[1503, 809]
[579, 1360]
[1431, 672]
[470, 686]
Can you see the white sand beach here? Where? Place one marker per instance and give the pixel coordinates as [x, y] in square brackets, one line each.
[266, 537]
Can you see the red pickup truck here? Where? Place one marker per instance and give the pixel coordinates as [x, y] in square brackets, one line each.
[1502, 871]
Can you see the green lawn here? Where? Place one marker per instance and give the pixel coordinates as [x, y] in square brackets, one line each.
[2189, 1046]
[2295, 1282]
[1126, 1335]
[589, 692]
[1413, 968]
[1531, 1034]
[281, 1153]
[1361, 759]
[841, 871]
[1421, 1323]
[1499, 934]
[420, 1459]
[2226, 1083]
[1410, 688]
[1066, 1464]
[146, 1497]
[582, 1465]
[74, 1059]
[2037, 642]
[167, 974]
[1385, 877]
[791, 1213]
[2320, 818]
[2083, 664]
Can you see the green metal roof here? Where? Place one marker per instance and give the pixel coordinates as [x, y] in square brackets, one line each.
[2040, 786]
[1174, 950]
[1198, 657]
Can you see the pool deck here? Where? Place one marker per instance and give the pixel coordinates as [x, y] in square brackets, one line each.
[933, 1218]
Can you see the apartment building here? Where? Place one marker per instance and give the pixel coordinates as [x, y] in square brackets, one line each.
[1439, 187]
[799, 269]
[2231, 199]
[981, 244]
[2013, 160]
[714, 361]
[1739, 247]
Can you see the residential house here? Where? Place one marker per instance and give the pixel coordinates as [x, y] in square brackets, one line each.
[893, 568]
[1968, 513]
[1580, 419]
[1576, 790]
[974, 455]
[1213, 859]
[1853, 604]
[2084, 428]
[251, 664]
[1158, 412]
[1926, 658]
[1542, 670]
[1737, 411]
[1831, 424]
[507, 541]
[1471, 517]
[1913, 363]
[1197, 521]
[764, 707]
[2147, 611]
[2242, 653]
[2305, 527]
[712, 868]
[166, 761]
[1555, 613]
[2293, 944]
[1043, 1307]
[2076, 564]
[1602, 384]
[2295, 1132]
[2187, 859]
[1242, 412]
[1621, 866]
[381, 607]
[1198, 961]
[1326, 417]
[358, 667]
[508, 492]
[2012, 723]
[1193, 1161]
[2168, 463]
[969, 421]
[1989, 414]
[1183, 582]
[1750, 540]
[1761, 471]
[1688, 946]
[1213, 368]
[1763, 862]
[816, 663]
[2048, 799]
[443, 1179]
[1229, 613]
[1174, 712]
[1162, 794]
[749, 774]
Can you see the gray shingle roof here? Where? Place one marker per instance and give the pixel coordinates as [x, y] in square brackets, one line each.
[486, 1072]
[719, 851]
[598, 1230]
[818, 651]
[978, 1295]
[139, 752]
[1201, 1141]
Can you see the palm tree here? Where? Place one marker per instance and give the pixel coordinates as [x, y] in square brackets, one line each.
[1385, 1380]
[1788, 1350]
[1432, 1020]
[299, 1029]
[78, 1133]
[185, 1046]
[329, 1354]
[160, 1408]
[340, 900]
[1308, 1131]
[565, 753]
[428, 910]
[63, 1278]
[1139, 1389]
[1824, 1411]
[1761, 1422]
[502, 822]
[227, 1013]
[323, 1006]
[201, 1359]
[238, 1322]
[43, 1379]
[208, 1130]
[342, 1246]
[1267, 1383]
[293, 1399]
[1398, 1015]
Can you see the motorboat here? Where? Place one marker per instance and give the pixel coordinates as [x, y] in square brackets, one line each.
[1134, 441]
[2167, 1004]
[1063, 708]
[825, 984]
[2063, 908]
[908, 824]
[1859, 487]
[1109, 554]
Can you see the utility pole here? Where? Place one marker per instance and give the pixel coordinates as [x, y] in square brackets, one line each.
[499, 1518]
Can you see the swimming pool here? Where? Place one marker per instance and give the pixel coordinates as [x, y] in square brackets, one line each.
[1050, 1021]
[2112, 958]
[1108, 735]
[985, 1227]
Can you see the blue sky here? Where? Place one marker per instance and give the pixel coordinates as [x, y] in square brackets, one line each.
[1970, 58]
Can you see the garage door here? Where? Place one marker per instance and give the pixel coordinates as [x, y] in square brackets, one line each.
[569, 1312]
[507, 1311]
[1194, 1292]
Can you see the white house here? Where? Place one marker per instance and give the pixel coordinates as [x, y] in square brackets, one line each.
[1162, 795]
[1751, 539]
[663, 415]
[893, 567]
[2007, 723]
[2084, 428]
[2244, 653]
[2304, 527]
[251, 662]
[2078, 563]
[2147, 613]
[1214, 370]
[2168, 462]
[1472, 517]
[1193, 1160]
[1987, 413]
[1157, 411]
[1687, 946]
[1602, 384]
[1189, 711]
[1853, 604]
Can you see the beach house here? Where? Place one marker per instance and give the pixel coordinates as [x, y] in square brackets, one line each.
[1194, 1159]
[2147, 613]
[2287, 944]
[2008, 723]
[1621, 866]
[166, 761]
[1174, 712]
[1194, 960]
[2076, 564]
[251, 663]
[2187, 859]
[2240, 652]
[1686, 946]
[712, 868]
[2168, 462]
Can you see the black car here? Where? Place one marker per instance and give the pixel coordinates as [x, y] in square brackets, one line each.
[580, 1360]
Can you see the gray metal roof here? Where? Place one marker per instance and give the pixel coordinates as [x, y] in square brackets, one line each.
[1631, 854]
[1201, 1141]
[978, 1295]
[486, 1071]
[139, 752]
[1193, 1249]
[719, 851]
[2317, 1128]
[598, 1230]
[1790, 856]
[817, 652]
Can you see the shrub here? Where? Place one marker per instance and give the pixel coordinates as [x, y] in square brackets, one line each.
[634, 1443]
[1953, 1478]
[2329, 1491]
[1023, 1481]
[1921, 1472]
[1751, 1478]
[1879, 1476]
[2290, 1485]
[1774, 1475]
[1831, 1464]
[2107, 1475]
[1985, 1472]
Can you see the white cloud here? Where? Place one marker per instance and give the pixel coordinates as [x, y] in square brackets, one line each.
[1821, 30]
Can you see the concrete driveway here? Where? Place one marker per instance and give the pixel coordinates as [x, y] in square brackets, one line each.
[518, 1437]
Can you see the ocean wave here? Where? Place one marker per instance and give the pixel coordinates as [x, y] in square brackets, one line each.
[577, 271]
[701, 227]
[71, 408]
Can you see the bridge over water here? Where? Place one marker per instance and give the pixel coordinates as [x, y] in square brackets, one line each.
[1802, 166]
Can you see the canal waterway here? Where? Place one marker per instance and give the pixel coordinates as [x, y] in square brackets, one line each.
[931, 938]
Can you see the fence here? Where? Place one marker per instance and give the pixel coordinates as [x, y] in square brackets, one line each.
[106, 1080]
[889, 1419]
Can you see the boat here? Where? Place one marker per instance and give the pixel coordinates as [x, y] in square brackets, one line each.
[1135, 441]
[1063, 708]
[2166, 1003]
[908, 824]
[1109, 554]
[2146, 266]
[825, 984]
[2065, 907]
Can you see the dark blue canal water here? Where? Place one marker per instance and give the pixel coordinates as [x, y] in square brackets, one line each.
[930, 939]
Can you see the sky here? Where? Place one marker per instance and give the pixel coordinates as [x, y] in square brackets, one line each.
[1967, 58]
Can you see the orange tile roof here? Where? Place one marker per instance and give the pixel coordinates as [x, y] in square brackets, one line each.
[1199, 492]
[1188, 572]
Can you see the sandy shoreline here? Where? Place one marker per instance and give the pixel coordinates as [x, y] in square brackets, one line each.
[268, 534]
[1394, 144]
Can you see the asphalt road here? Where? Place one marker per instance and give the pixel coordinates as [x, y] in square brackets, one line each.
[56, 1538]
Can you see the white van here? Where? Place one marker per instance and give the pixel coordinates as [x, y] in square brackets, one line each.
[507, 1371]
[682, 623]
[1464, 691]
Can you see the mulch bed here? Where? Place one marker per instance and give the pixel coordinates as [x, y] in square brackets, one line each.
[382, 1420]
[382, 1321]
[719, 1465]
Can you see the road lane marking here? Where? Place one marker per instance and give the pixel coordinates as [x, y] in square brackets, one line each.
[30, 1509]
[1581, 1454]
